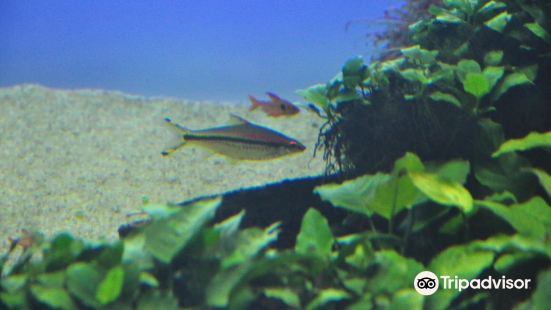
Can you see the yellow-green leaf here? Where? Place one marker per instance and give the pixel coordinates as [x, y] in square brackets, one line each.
[545, 180]
[440, 96]
[286, 295]
[56, 298]
[476, 84]
[511, 80]
[315, 235]
[493, 58]
[532, 140]
[493, 74]
[110, 288]
[499, 22]
[538, 30]
[415, 75]
[326, 296]
[443, 191]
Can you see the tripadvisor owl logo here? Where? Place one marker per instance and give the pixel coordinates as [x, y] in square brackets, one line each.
[426, 283]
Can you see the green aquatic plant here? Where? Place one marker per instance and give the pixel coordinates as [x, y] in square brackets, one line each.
[476, 56]
[445, 153]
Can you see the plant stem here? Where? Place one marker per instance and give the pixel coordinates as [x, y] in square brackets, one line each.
[390, 222]
[411, 220]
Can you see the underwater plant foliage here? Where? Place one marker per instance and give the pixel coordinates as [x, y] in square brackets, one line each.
[446, 151]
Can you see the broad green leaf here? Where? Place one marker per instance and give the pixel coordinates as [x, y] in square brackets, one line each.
[381, 193]
[394, 272]
[544, 178]
[539, 31]
[415, 75]
[532, 140]
[445, 74]
[476, 84]
[444, 16]
[392, 64]
[443, 191]
[407, 299]
[166, 237]
[57, 298]
[489, 137]
[349, 95]
[419, 54]
[230, 226]
[512, 244]
[448, 18]
[499, 22]
[110, 288]
[532, 218]
[249, 242]
[493, 74]
[315, 235]
[491, 6]
[316, 94]
[462, 261]
[153, 300]
[454, 171]
[286, 295]
[449, 98]
[465, 6]
[352, 194]
[134, 250]
[466, 66]
[148, 279]
[82, 281]
[352, 72]
[359, 258]
[507, 173]
[503, 197]
[409, 97]
[408, 163]
[160, 211]
[507, 261]
[63, 251]
[540, 298]
[462, 50]
[530, 71]
[326, 296]
[511, 80]
[52, 279]
[14, 282]
[493, 58]
[15, 300]
[223, 284]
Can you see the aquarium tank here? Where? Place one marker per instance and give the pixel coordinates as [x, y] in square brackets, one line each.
[275, 155]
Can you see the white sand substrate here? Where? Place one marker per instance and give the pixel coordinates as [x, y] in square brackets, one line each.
[80, 161]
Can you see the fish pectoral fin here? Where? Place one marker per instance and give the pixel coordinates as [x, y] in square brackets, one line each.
[171, 149]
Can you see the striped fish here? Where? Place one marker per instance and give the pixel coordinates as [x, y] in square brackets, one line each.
[242, 140]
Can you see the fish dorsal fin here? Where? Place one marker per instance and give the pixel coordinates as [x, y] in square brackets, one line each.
[238, 120]
[273, 97]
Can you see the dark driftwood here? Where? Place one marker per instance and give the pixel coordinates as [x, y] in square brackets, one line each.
[285, 201]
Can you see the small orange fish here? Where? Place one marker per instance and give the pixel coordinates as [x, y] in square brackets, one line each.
[275, 107]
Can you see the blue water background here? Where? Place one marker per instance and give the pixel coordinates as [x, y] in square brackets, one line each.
[207, 49]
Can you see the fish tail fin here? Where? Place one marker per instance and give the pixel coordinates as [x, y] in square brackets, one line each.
[179, 140]
[255, 103]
